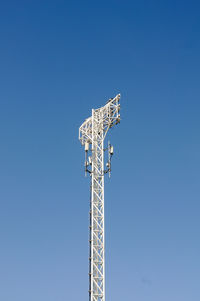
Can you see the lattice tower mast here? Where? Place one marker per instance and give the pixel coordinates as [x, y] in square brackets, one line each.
[92, 134]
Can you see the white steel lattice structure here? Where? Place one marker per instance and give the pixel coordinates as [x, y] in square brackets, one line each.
[92, 134]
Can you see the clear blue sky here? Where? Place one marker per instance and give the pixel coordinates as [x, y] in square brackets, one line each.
[58, 60]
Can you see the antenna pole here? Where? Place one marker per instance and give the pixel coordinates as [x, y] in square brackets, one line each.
[92, 132]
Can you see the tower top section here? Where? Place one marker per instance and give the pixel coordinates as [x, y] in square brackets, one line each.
[107, 117]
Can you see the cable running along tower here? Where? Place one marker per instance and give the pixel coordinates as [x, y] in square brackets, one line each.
[91, 135]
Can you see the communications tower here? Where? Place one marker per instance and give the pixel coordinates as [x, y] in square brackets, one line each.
[91, 135]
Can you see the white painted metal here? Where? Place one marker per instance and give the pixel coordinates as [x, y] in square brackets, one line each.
[92, 132]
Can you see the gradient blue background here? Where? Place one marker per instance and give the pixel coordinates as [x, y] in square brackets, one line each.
[58, 60]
